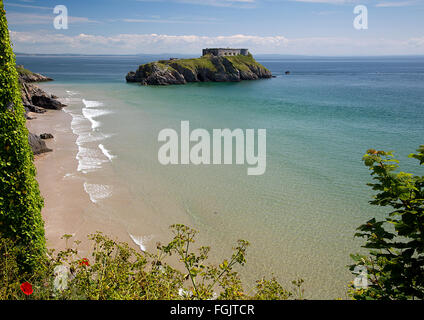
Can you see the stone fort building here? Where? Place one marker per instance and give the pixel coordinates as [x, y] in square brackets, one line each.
[225, 52]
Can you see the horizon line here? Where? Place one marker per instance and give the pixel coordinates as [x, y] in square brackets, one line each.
[196, 54]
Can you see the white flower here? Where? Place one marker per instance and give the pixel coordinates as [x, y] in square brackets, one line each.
[61, 273]
[184, 293]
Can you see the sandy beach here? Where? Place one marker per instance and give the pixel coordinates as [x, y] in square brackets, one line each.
[67, 207]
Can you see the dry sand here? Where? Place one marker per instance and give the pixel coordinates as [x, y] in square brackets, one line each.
[67, 207]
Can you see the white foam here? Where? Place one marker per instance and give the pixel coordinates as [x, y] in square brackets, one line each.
[91, 136]
[72, 93]
[97, 192]
[90, 114]
[81, 127]
[106, 152]
[141, 241]
[138, 240]
[89, 159]
[92, 103]
[77, 123]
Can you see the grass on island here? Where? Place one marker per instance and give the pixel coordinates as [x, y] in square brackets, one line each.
[240, 62]
[243, 62]
[195, 63]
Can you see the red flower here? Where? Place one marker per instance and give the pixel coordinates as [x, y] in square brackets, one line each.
[26, 288]
[84, 262]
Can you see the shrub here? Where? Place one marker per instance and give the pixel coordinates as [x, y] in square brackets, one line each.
[395, 265]
[20, 199]
[115, 271]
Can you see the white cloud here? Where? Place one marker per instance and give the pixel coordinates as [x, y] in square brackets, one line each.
[43, 42]
[149, 43]
[328, 1]
[387, 4]
[27, 6]
[382, 3]
[416, 42]
[178, 21]
[214, 3]
[18, 18]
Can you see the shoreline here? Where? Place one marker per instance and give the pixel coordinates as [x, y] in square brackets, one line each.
[77, 179]
[67, 206]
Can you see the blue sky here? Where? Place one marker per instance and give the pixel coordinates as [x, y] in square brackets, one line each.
[304, 27]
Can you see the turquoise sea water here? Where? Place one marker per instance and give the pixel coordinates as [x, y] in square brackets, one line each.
[300, 216]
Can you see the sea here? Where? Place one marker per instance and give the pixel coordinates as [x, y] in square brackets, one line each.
[300, 216]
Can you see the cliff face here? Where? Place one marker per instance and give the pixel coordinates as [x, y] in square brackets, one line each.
[33, 98]
[206, 68]
[36, 100]
[29, 76]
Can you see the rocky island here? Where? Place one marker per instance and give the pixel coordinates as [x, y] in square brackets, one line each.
[217, 65]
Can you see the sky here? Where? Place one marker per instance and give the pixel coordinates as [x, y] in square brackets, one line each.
[289, 27]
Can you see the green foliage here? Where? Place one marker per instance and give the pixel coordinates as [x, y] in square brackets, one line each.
[22, 71]
[205, 277]
[273, 290]
[20, 199]
[395, 265]
[194, 64]
[240, 62]
[244, 63]
[115, 271]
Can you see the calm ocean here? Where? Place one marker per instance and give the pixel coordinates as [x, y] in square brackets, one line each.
[300, 216]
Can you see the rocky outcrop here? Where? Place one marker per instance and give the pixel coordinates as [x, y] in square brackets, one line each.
[36, 100]
[37, 144]
[29, 76]
[33, 98]
[204, 69]
[156, 74]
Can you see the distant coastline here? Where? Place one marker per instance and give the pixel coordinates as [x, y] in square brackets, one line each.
[191, 55]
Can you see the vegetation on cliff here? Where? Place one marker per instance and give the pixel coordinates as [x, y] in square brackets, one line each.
[29, 76]
[203, 69]
[114, 271]
[394, 269]
[20, 199]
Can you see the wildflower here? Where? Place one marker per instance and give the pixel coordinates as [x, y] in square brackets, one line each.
[61, 273]
[84, 262]
[26, 288]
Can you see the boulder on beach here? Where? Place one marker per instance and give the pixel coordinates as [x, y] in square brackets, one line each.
[38, 146]
[46, 136]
